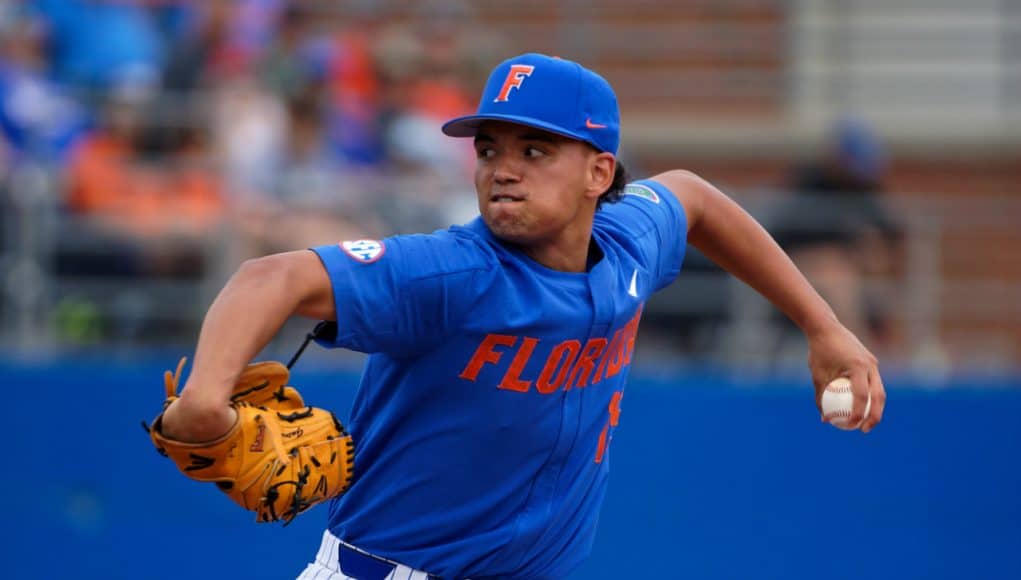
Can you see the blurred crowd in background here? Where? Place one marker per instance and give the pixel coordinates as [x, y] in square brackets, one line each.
[167, 141]
[167, 118]
[184, 137]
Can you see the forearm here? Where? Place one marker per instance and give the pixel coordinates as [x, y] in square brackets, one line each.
[248, 312]
[243, 318]
[735, 241]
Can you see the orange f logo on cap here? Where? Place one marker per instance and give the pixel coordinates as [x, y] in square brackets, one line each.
[515, 76]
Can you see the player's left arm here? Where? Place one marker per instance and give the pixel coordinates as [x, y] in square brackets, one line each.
[734, 240]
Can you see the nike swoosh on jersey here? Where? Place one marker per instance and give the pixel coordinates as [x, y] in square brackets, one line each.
[633, 290]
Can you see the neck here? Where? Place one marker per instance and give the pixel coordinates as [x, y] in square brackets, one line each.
[568, 253]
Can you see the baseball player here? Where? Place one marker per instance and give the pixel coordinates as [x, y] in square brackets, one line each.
[499, 350]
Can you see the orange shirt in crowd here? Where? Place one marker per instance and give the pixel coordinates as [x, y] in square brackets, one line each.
[108, 182]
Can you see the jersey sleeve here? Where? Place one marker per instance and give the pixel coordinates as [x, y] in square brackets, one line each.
[402, 295]
[650, 221]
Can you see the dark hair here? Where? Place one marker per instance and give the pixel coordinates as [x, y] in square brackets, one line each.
[616, 189]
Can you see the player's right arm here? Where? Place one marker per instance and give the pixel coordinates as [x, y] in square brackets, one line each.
[734, 240]
[247, 313]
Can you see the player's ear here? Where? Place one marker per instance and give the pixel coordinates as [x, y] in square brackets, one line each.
[601, 168]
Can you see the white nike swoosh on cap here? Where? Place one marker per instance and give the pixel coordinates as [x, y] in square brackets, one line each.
[633, 290]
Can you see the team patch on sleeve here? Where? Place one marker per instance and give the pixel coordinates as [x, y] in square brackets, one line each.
[641, 191]
[364, 251]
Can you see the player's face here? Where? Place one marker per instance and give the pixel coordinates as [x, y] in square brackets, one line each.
[536, 187]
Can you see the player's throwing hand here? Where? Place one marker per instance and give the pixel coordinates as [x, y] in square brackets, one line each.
[835, 352]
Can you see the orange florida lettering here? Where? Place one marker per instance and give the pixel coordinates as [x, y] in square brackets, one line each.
[553, 364]
[614, 411]
[485, 354]
[586, 362]
[512, 380]
[631, 333]
[567, 364]
[515, 76]
[606, 368]
[618, 354]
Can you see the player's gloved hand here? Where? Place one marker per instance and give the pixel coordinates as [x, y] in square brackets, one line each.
[835, 352]
[278, 459]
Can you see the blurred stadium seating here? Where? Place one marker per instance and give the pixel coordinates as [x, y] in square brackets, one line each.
[257, 127]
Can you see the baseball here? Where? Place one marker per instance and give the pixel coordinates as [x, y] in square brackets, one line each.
[836, 404]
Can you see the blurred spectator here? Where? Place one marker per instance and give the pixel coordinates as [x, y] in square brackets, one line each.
[325, 198]
[38, 119]
[311, 176]
[353, 87]
[426, 69]
[175, 20]
[253, 25]
[157, 212]
[293, 124]
[99, 44]
[837, 230]
[319, 49]
[287, 67]
[314, 197]
[249, 129]
[202, 50]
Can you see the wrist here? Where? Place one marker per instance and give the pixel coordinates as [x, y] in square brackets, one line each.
[192, 419]
[818, 323]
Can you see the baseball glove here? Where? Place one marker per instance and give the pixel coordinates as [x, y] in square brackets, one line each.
[279, 459]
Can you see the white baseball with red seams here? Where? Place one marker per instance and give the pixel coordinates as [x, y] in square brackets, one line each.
[837, 401]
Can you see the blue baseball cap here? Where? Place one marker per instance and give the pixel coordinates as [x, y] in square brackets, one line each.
[860, 148]
[551, 94]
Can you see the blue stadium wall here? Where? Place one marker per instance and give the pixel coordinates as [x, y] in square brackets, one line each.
[714, 476]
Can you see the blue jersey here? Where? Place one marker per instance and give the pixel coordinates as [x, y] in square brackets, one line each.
[484, 417]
